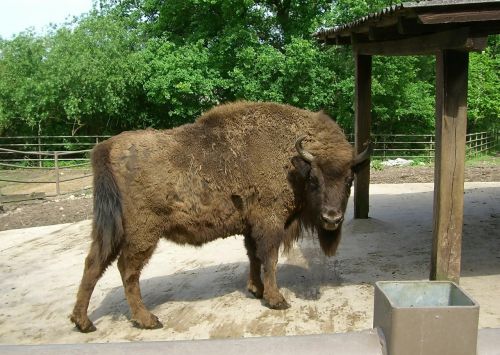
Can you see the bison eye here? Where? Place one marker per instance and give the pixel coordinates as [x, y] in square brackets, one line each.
[313, 182]
[349, 181]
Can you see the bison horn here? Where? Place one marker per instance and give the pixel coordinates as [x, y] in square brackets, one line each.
[308, 157]
[364, 155]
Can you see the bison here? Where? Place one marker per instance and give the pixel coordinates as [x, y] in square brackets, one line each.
[264, 170]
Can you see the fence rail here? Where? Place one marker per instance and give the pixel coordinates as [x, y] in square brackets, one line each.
[66, 152]
[423, 146]
[14, 150]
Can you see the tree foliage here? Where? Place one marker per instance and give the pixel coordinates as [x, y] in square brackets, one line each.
[484, 88]
[154, 63]
[23, 100]
[89, 76]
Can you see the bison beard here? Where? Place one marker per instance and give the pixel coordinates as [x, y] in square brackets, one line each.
[329, 240]
[239, 169]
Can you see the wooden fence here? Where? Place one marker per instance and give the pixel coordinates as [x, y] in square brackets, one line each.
[53, 154]
[31, 151]
[66, 152]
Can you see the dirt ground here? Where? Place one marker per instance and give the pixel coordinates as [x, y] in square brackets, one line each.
[76, 202]
[199, 293]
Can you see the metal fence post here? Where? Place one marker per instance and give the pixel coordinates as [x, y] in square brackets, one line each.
[56, 166]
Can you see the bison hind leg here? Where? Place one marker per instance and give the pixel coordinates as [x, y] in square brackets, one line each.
[130, 264]
[92, 272]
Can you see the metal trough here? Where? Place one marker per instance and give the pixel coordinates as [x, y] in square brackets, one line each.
[426, 317]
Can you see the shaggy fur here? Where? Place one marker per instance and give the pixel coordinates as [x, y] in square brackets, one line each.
[234, 171]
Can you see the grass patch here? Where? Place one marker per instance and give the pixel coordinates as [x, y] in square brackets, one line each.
[489, 159]
[377, 165]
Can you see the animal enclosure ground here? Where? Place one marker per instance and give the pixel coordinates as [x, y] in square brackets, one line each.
[77, 206]
[199, 293]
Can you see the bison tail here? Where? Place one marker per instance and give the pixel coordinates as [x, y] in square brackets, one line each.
[107, 228]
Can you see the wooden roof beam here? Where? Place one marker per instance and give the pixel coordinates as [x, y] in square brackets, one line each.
[409, 26]
[429, 18]
[376, 33]
[458, 39]
[413, 27]
[359, 37]
[487, 28]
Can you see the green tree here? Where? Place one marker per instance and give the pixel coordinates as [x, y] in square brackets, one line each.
[484, 88]
[181, 80]
[23, 83]
[403, 95]
[96, 74]
[157, 63]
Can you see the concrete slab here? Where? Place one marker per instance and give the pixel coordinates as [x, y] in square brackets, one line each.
[199, 293]
[355, 343]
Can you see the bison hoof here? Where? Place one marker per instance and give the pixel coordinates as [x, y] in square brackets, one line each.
[84, 326]
[280, 305]
[254, 290]
[151, 323]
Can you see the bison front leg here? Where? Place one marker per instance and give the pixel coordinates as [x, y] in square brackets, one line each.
[130, 265]
[272, 295]
[254, 284]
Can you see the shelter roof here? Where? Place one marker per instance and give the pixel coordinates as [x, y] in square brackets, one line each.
[447, 24]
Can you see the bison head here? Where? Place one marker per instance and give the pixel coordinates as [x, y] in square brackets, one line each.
[323, 189]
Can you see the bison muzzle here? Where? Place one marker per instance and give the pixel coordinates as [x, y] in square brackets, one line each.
[263, 170]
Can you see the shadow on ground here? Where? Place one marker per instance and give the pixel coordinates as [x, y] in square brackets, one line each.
[394, 244]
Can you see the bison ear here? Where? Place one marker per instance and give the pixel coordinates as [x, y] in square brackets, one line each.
[302, 167]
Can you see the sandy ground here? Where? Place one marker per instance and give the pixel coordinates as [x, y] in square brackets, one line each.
[199, 293]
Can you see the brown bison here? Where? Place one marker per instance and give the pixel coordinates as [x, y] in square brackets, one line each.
[264, 170]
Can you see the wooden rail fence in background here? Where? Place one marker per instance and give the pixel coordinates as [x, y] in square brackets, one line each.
[71, 152]
[15, 148]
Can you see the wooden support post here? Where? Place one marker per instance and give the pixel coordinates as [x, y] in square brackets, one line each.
[363, 104]
[451, 126]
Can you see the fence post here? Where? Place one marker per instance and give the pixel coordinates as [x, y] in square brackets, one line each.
[431, 148]
[56, 166]
[39, 150]
[39, 144]
[469, 145]
[479, 143]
